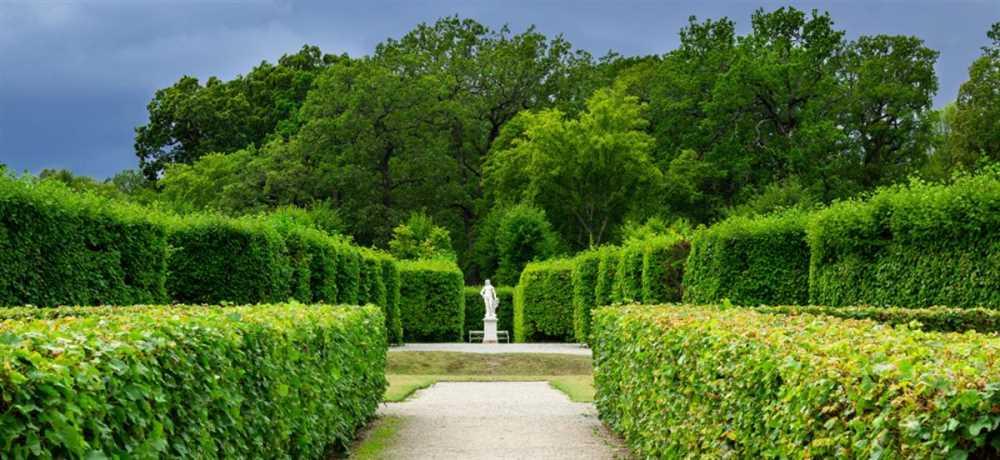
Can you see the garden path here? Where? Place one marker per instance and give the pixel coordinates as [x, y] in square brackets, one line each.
[559, 348]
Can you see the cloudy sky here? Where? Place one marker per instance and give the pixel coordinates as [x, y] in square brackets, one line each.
[75, 76]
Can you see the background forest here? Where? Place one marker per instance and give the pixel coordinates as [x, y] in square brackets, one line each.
[497, 147]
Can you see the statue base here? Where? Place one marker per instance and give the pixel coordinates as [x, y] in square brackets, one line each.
[489, 330]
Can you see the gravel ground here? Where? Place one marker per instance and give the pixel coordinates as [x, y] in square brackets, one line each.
[489, 420]
[562, 348]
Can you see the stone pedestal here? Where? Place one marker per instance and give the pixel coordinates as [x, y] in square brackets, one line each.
[489, 330]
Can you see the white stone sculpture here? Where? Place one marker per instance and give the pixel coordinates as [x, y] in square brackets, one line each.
[490, 320]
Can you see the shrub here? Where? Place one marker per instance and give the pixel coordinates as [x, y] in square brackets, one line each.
[393, 324]
[750, 261]
[216, 259]
[475, 309]
[524, 235]
[704, 382]
[663, 260]
[940, 319]
[419, 238]
[59, 247]
[282, 381]
[371, 281]
[604, 291]
[432, 302]
[543, 302]
[628, 276]
[585, 269]
[322, 267]
[917, 246]
[348, 274]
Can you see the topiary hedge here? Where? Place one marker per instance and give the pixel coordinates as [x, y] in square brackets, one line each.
[663, 261]
[390, 275]
[475, 309]
[703, 382]
[432, 300]
[585, 271]
[215, 259]
[543, 302]
[628, 276]
[940, 319]
[348, 274]
[604, 287]
[287, 381]
[918, 246]
[59, 247]
[750, 261]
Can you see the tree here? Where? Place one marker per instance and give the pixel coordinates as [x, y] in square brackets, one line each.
[976, 123]
[419, 238]
[584, 172]
[523, 235]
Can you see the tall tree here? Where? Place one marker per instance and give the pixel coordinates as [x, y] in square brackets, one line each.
[976, 128]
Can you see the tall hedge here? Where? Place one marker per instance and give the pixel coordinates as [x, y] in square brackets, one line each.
[628, 276]
[348, 274]
[59, 247]
[543, 302]
[282, 381]
[607, 269]
[663, 261]
[750, 261]
[431, 300]
[215, 259]
[393, 323]
[475, 309]
[585, 269]
[915, 246]
[703, 382]
[939, 319]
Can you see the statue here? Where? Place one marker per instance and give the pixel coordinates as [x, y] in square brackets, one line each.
[490, 298]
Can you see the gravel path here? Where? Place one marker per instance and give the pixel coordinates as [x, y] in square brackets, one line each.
[561, 348]
[489, 420]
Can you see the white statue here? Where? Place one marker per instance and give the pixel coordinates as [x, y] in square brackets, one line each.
[490, 298]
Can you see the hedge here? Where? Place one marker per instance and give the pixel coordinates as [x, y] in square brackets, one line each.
[663, 260]
[393, 324]
[750, 261]
[475, 309]
[628, 276]
[59, 247]
[917, 245]
[702, 382]
[288, 381]
[348, 274]
[585, 271]
[543, 302]
[432, 300]
[604, 288]
[940, 319]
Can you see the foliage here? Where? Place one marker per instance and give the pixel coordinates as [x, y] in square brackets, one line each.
[432, 301]
[607, 269]
[917, 245]
[154, 382]
[975, 136]
[585, 272]
[393, 322]
[58, 247]
[940, 319]
[628, 276]
[419, 238]
[524, 235]
[663, 262]
[687, 381]
[475, 310]
[750, 261]
[543, 302]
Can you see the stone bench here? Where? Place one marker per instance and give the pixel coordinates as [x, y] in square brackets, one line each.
[501, 335]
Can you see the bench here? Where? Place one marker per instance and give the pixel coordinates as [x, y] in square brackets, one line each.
[501, 335]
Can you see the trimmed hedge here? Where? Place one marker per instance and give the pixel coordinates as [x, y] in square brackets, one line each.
[940, 319]
[287, 381]
[919, 245]
[432, 300]
[750, 261]
[475, 309]
[59, 247]
[543, 302]
[390, 275]
[628, 276]
[604, 288]
[663, 260]
[348, 274]
[585, 271]
[703, 382]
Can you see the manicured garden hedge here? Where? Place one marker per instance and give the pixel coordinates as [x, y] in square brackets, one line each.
[393, 324]
[750, 261]
[683, 381]
[628, 277]
[604, 288]
[58, 247]
[288, 381]
[917, 246]
[432, 300]
[475, 309]
[585, 271]
[663, 260]
[543, 302]
[940, 319]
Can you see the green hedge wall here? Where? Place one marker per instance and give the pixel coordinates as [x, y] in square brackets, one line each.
[585, 271]
[59, 247]
[432, 301]
[475, 310]
[393, 324]
[750, 261]
[917, 246]
[604, 288]
[192, 383]
[940, 319]
[663, 261]
[703, 382]
[215, 259]
[543, 302]
[348, 274]
[628, 276]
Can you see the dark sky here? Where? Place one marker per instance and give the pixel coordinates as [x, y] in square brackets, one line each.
[75, 76]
